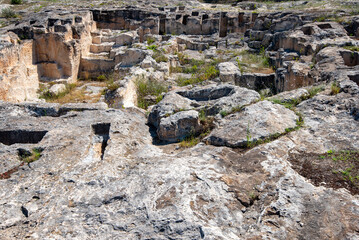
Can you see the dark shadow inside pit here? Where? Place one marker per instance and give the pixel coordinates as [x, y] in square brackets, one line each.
[350, 58]
[308, 30]
[324, 26]
[354, 78]
[21, 136]
[102, 132]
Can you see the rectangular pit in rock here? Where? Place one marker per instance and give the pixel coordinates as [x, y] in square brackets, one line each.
[102, 135]
[11, 137]
[354, 77]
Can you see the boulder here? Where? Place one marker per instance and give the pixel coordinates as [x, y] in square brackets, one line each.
[170, 103]
[130, 57]
[57, 88]
[290, 95]
[148, 62]
[228, 72]
[255, 122]
[178, 126]
[256, 81]
[215, 98]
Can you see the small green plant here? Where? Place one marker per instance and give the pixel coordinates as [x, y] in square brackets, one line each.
[150, 40]
[28, 157]
[352, 48]
[321, 18]
[8, 13]
[223, 113]
[249, 137]
[335, 89]
[101, 78]
[158, 56]
[253, 62]
[189, 142]
[206, 126]
[152, 47]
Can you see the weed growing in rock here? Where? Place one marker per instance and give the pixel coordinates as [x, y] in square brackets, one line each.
[158, 56]
[150, 40]
[8, 13]
[48, 96]
[292, 103]
[201, 71]
[152, 47]
[223, 113]
[28, 157]
[352, 48]
[335, 89]
[250, 62]
[149, 92]
[190, 141]
[101, 78]
[207, 124]
[335, 168]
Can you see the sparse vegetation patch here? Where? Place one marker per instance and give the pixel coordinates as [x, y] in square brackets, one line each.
[149, 92]
[335, 168]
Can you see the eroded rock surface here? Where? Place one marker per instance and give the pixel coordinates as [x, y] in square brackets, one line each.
[245, 168]
[254, 123]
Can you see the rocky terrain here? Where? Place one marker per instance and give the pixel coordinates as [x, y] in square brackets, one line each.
[179, 120]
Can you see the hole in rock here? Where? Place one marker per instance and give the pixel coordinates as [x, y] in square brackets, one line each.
[102, 135]
[354, 77]
[308, 30]
[21, 136]
[351, 59]
[324, 26]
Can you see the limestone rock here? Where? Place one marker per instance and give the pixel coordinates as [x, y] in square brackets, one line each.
[170, 103]
[256, 81]
[148, 62]
[228, 72]
[178, 126]
[290, 95]
[57, 88]
[255, 122]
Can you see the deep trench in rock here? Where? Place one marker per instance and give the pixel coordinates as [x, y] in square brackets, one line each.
[10, 137]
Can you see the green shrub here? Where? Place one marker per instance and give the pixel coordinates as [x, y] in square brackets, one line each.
[223, 113]
[321, 18]
[101, 78]
[150, 41]
[16, 1]
[352, 48]
[335, 89]
[8, 13]
[152, 47]
[161, 58]
[146, 88]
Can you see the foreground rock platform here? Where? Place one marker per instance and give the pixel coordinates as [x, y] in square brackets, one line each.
[99, 174]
